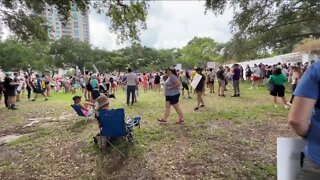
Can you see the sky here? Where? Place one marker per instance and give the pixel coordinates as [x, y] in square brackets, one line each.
[170, 24]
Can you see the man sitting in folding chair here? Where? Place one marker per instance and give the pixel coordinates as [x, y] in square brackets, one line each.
[112, 123]
[82, 110]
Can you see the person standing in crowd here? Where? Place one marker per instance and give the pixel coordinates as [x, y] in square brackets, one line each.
[236, 80]
[256, 73]
[28, 86]
[211, 77]
[172, 94]
[47, 81]
[10, 88]
[269, 71]
[94, 83]
[228, 77]
[200, 90]
[305, 120]
[157, 82]
[296, 75]
[221, 81]
[248, 73]
[20, 88]
[241, 73]
[278, 79]
[132, 82]
[1, 84]
[185, 83]
[88, 89]
[38, 88]
[145, 82]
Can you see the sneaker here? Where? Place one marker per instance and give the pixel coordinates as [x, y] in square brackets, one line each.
[286, 106]
[189, 97]
[289, 104]
[196, 109]
[33, 100]
[46, 99]
[181, 121]
[162, 120]
[234, 95]
[275, 106]
[251, 88]
[202, 106]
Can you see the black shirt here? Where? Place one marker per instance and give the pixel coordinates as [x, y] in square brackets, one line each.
[157, 79]
[220, 74]
[7, 86]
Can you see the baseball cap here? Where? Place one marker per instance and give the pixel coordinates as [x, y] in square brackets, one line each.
[76, 97]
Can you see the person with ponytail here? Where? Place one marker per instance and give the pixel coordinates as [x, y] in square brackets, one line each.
[172, 94]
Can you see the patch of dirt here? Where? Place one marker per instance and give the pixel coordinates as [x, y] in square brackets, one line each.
[9, 138]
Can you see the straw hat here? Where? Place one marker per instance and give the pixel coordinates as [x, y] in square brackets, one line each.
[101, 101]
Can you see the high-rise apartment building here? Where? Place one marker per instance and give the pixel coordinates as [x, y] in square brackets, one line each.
[77, 25]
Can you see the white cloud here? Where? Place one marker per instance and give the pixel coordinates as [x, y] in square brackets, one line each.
[170, 24]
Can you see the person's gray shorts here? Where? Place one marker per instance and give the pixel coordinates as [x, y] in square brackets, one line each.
[310, 170]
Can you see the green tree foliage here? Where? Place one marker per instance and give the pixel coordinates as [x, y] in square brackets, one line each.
[16, 56]
[24, 17]
[259, 26]
[198, 52]
[69, 53]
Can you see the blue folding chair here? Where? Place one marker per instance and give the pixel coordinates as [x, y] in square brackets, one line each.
[113, 125]
[77, 108]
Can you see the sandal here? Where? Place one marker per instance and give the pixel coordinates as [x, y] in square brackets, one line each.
[196, 109]
[202, 106]
[162, 120]
[181, 121]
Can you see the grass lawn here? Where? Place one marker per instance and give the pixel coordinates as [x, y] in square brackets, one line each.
[232, 138]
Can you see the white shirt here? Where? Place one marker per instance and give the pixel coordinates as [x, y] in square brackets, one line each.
[131, 79]
[256, 72]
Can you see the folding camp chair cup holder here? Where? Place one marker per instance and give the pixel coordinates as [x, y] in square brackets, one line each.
[114, 125]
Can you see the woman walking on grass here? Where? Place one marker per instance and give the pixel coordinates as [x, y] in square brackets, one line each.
[278, 79]
[200, 90]
[172, 94]
[295, 80]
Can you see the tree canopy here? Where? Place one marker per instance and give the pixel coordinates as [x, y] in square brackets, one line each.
[199, 51]
[24, 17]
[259, 26]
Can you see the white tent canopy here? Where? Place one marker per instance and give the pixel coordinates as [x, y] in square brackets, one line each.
[285, 58]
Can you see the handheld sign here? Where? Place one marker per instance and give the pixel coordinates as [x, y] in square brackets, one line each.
[288, 157]
[95, 68]
[196, 80]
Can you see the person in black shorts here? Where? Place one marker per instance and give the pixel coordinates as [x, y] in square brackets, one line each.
[157, 82]
[200, 90]
[278, 79]
[185, 83]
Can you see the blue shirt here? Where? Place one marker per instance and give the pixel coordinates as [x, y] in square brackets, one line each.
[309, 87]
[94, 83]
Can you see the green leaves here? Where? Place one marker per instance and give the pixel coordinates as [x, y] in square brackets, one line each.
[25, 17]
[198, 52]
[261, 26]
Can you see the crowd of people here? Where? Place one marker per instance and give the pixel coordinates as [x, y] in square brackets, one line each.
[14, 85]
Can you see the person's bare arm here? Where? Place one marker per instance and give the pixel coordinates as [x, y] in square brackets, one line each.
[299, 115]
